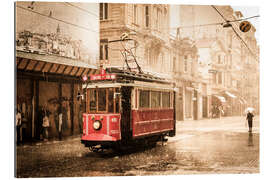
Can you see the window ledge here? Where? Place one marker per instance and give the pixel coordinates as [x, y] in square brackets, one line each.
[105, 20]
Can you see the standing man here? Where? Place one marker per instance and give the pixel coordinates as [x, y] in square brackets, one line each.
[250, 119]
[46, 124]
[80, 118]
[220, 110]
[59, 123]
[18, 125]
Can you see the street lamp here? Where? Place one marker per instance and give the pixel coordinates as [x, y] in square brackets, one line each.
[226, 25]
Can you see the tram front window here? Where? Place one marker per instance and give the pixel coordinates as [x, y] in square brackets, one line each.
[103, 100]
[110, 100]
[93, 100]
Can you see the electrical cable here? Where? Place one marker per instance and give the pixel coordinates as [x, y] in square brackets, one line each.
[236, 33]
[244, 43]
[219, 13]
[212, 24]
[78, 26]
[82, 9]
[244, 18]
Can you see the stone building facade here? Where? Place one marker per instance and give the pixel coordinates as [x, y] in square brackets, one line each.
[223, 57]
[156, 51]
[147, 25]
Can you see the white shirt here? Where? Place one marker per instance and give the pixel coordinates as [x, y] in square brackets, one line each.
[60, 121]
[18, 119]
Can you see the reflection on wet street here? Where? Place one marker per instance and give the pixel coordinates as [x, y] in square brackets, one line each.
[250, 139]
[210, 149]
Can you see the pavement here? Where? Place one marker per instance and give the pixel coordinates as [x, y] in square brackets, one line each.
[232, 123]
[50, 141]
[208, 146]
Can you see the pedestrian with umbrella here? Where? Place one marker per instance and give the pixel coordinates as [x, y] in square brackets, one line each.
[249, 118]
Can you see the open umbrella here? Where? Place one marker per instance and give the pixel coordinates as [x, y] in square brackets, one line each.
[249, 109]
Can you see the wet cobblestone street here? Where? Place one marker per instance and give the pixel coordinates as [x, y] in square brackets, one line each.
[200, 147]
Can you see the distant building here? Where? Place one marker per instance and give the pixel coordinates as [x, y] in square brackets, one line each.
[223, 57]
[188, 82]
[53, 43]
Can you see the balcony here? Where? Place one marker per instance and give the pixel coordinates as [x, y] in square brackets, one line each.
[218, 87]
[219, 66]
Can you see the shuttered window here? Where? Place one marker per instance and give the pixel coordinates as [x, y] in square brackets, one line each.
[103, 11]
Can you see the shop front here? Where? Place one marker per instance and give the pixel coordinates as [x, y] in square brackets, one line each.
[48, 86]
[232, 107]
[189, 102]
[218, 106]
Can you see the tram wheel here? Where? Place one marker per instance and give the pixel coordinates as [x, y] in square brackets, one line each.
[96, 150]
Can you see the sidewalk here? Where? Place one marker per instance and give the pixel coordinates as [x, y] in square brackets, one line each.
[50, 141]
[232, 123]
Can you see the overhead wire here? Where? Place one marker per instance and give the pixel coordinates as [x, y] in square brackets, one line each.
[244, 18]
[244, 43]
[219, 13]
[236, 33]
[51, 17]
[82, 9]
[212, 24]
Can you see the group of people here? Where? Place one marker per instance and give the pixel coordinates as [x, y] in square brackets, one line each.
[217, 111]
[59, 118]
[22, 117]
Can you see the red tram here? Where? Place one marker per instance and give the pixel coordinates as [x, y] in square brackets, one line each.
[124, 109]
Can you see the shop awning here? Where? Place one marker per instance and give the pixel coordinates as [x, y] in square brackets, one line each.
[243, 100]
[230, 94]
[30, 62]
[221, 98]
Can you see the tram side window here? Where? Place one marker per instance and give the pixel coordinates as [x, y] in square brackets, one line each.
[102, 100]
[165, 99]
[155, 99]
[110, 100]
[93, 96]
[144, 99]
[117, 100]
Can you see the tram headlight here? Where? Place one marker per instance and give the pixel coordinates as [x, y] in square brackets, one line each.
[97, 125]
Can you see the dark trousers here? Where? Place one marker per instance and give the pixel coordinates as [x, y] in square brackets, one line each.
[60, 135]
[250, 125]
[45, 133]
[18, 134]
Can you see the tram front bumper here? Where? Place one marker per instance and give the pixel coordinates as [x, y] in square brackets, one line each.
[98, 137]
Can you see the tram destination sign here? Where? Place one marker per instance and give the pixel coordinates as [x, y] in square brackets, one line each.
[99, 77]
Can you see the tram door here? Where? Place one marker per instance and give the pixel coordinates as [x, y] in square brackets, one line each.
[126, 113]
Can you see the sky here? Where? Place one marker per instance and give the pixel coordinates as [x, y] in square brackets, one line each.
[249, 11]
[78, 19]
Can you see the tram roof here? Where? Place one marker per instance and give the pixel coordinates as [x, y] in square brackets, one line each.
[127, 78]
[128, 75]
